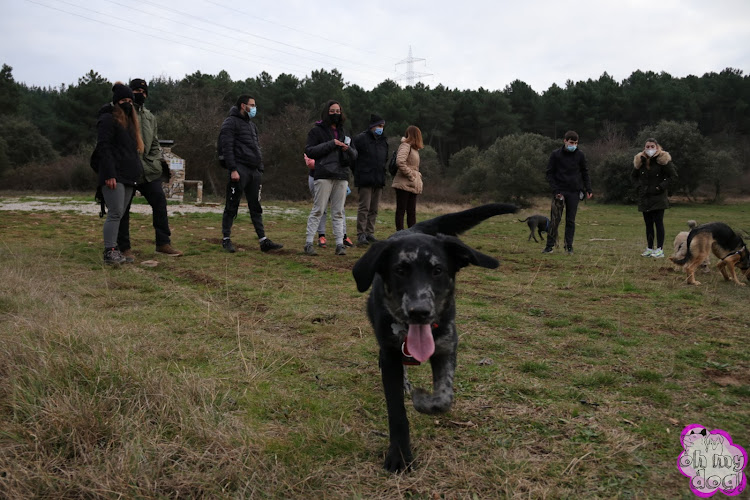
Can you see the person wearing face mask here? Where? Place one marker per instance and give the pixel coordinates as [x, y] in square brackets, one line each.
[369, 177]
[653, 171]
[568, 178]
[334, 153]
[119, 146]
[150, 183]
[240, 147]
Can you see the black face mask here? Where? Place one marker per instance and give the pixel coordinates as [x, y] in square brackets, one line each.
[335, 118]
[126, 107]
[139, 99]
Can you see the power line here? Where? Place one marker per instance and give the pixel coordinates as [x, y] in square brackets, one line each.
[411, 76]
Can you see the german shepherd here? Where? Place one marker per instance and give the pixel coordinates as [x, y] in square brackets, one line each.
[726, 245]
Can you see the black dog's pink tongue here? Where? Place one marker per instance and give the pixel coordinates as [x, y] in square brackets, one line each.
[419, 342]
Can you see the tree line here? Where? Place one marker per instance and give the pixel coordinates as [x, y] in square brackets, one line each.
[483, 143]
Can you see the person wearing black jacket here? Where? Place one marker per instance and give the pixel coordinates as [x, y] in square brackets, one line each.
[240, 148]
[334, 153]
[568, 177]
[369, 177]
[119, 146]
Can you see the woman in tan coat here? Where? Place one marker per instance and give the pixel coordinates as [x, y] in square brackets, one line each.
[408, 179]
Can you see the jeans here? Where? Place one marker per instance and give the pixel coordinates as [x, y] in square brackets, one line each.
[116, 201]
[333, 190]
[405, 202]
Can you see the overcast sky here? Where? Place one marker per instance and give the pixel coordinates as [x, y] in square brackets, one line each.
[460, 44]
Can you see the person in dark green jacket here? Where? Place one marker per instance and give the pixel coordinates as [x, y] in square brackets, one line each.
[150, 183]
[653, 171]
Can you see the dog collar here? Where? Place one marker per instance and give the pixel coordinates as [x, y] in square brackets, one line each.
[733, 253]
[406, 358]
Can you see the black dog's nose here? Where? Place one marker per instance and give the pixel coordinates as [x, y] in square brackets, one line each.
[419, 313]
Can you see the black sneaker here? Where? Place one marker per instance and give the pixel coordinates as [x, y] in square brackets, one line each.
[226, 244]
[268, 245]
[362, 240]
[547, 250]
[348, 241]
[371, 238]
[569, 250]
[340, 250]
[113, 257]
[310, 249]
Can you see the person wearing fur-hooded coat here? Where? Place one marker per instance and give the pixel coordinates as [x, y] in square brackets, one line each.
[654, 172]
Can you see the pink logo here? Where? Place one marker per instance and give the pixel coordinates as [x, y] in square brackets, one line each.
[712, 462]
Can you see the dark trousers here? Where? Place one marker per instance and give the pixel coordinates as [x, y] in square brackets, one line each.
[405, 202]
[571, 209]
[154, 195]
[249, 185]
[654, 218]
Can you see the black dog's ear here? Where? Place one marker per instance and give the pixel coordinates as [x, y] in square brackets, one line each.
[365, 268]
[463, 255]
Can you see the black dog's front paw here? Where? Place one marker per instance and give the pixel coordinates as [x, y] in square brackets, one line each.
[397, 460]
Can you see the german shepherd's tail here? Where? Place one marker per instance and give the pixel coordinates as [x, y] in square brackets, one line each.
[459, 222]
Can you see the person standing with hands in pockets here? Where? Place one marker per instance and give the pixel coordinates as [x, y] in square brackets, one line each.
[408, 179]
[568, 177]
[653, 171]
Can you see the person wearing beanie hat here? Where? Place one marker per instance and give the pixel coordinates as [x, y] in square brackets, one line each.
[150, 183]
[117, 153]
[369, 177]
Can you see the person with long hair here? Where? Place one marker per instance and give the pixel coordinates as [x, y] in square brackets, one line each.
[653, 171]
[120, 147]
[331, 149]
[408, 179]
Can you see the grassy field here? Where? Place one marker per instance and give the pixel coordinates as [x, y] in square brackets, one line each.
[255, 376]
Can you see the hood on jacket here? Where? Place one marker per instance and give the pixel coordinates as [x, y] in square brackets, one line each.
[107, 108]
[662, 158]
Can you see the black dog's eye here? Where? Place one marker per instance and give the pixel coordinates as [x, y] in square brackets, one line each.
[437, 271]
[400, 270]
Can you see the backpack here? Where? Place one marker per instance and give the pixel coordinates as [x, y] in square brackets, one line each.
[392, 167]
[219, 154]
[98, 196]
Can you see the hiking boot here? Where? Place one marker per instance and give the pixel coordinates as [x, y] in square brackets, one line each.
[268, 245]
[129, 256]
[547, 250]
[340, 250]
[113, 257]
[371, 238]
[322, 243]
[310, 249]
[647, 253]
[348, 241]
[226, 244]
[658, 254]
[362, 240]
[168, 250]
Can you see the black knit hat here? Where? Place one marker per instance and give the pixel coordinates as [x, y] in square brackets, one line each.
[120, 91]
[375, 120]
[139, 83]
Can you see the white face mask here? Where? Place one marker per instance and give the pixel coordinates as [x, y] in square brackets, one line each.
[651, 152]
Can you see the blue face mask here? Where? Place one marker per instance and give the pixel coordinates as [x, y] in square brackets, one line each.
[378, 131]
[570, 148]
[252, 112]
